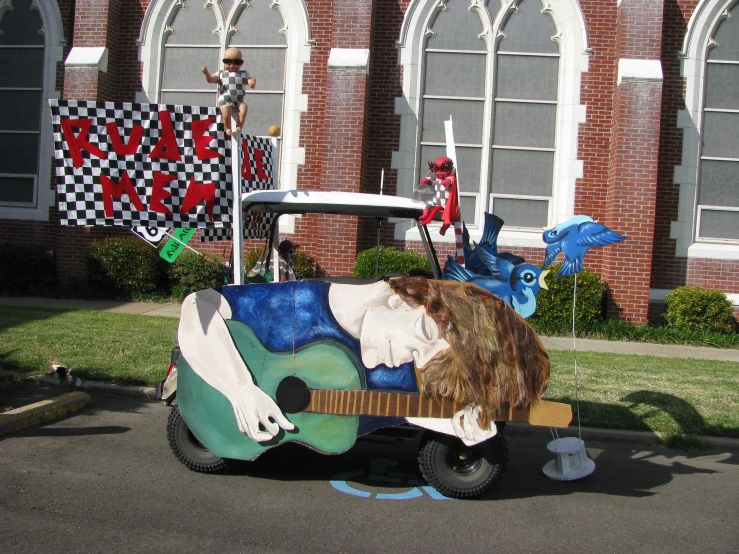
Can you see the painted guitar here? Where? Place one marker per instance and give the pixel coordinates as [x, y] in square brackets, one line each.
[321, 390]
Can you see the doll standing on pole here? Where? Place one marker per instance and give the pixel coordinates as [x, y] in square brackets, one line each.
[232, 83]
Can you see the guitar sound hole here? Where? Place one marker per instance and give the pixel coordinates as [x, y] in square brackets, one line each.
[293, 395]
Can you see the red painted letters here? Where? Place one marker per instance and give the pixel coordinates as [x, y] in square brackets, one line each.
[79, 142]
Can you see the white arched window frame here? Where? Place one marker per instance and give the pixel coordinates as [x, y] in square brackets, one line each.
[53, 32]
[572, 38]
[701, 28]
[156, 26]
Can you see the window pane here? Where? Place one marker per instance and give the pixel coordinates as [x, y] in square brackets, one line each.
[455, 74]
[26, 112]
[468, 164]
[521, 124]
[719, 225]
[189, 98]
[265, 110]
[466, 114]
[522, 213]
[21, 25]
[527, 77]
[529, 30]
[722, 86]
[457, 28]
[19, 153]
[22, 67]
[468, 209]
[522, 172]
[721, 135]
[227, 5]
[194, 25]
[259, 24]
[727, 37]
[182, 67]
[16, 189]
[719, 183]
[268, 66]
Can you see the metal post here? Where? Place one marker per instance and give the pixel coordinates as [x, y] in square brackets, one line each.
[276, 235]
[237, 216]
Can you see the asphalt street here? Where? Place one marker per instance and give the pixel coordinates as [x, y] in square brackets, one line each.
[104, 479]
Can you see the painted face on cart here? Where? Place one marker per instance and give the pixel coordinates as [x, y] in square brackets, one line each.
[395, 333]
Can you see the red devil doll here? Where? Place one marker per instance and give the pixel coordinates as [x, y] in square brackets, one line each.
[445, 193]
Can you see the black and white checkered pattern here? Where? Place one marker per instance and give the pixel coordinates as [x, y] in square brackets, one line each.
[256, 225]
[80, 190]
[231, 87]
[441, 195]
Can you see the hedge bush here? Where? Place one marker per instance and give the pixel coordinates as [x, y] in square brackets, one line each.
[391, 260]
[554, 306]
[698, 309]
[304, 262]
[191, 272]
[25, 268]
[128, 265]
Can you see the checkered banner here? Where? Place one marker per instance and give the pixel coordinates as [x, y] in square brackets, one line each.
[150, 165]
[256, 174]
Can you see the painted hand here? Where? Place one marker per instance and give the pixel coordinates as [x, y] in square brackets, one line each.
[467, 428]
[252, 407]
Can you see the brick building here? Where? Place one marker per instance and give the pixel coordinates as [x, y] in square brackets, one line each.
[627, 111]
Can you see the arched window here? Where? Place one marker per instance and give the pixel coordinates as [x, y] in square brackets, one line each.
[501, 76]
[707, 224]
[30, 47]
[179, 37]
[717, 216]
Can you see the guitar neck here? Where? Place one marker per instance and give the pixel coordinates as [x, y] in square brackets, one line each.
[363, 402]
[394, 404]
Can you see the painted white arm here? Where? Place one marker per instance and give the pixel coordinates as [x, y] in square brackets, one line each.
[467, 429]
[207, 346]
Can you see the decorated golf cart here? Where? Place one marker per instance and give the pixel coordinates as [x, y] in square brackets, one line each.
[321, 362]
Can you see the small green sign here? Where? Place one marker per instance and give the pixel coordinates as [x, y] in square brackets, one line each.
[176, 244]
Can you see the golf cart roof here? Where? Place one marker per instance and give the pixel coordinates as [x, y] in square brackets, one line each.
[317, 201]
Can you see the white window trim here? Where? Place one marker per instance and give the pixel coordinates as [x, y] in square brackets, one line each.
[53, 31]
[572, 37]
[297, 30]
[702, 26]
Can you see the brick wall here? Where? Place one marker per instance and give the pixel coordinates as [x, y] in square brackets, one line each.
[350, 131]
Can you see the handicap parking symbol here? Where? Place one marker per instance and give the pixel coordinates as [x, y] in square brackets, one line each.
[379, 473]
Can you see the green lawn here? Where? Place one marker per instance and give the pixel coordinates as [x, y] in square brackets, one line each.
[106, 346]
[669, 395]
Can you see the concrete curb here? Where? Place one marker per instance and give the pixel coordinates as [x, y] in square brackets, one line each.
[42, 412]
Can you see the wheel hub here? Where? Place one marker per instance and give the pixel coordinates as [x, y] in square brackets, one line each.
[462, 461]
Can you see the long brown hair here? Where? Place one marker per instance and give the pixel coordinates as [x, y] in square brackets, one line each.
[495, 356]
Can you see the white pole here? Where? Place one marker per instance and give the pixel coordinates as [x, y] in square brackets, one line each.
[237, 217]
[275, 186]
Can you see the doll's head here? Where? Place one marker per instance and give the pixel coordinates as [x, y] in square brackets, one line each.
[443, 167]
[232, 60]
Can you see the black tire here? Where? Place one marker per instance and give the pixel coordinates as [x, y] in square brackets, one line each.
[188, 449]
[460, 471]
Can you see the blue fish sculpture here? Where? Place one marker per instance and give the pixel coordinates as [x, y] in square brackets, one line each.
[489, 243]
[517, 285]
[574, 238]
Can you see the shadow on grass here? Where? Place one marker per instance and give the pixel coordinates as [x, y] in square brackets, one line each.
[642, 405]
[13, 316]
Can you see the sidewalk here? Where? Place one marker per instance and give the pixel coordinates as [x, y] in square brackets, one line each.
[172, 309]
